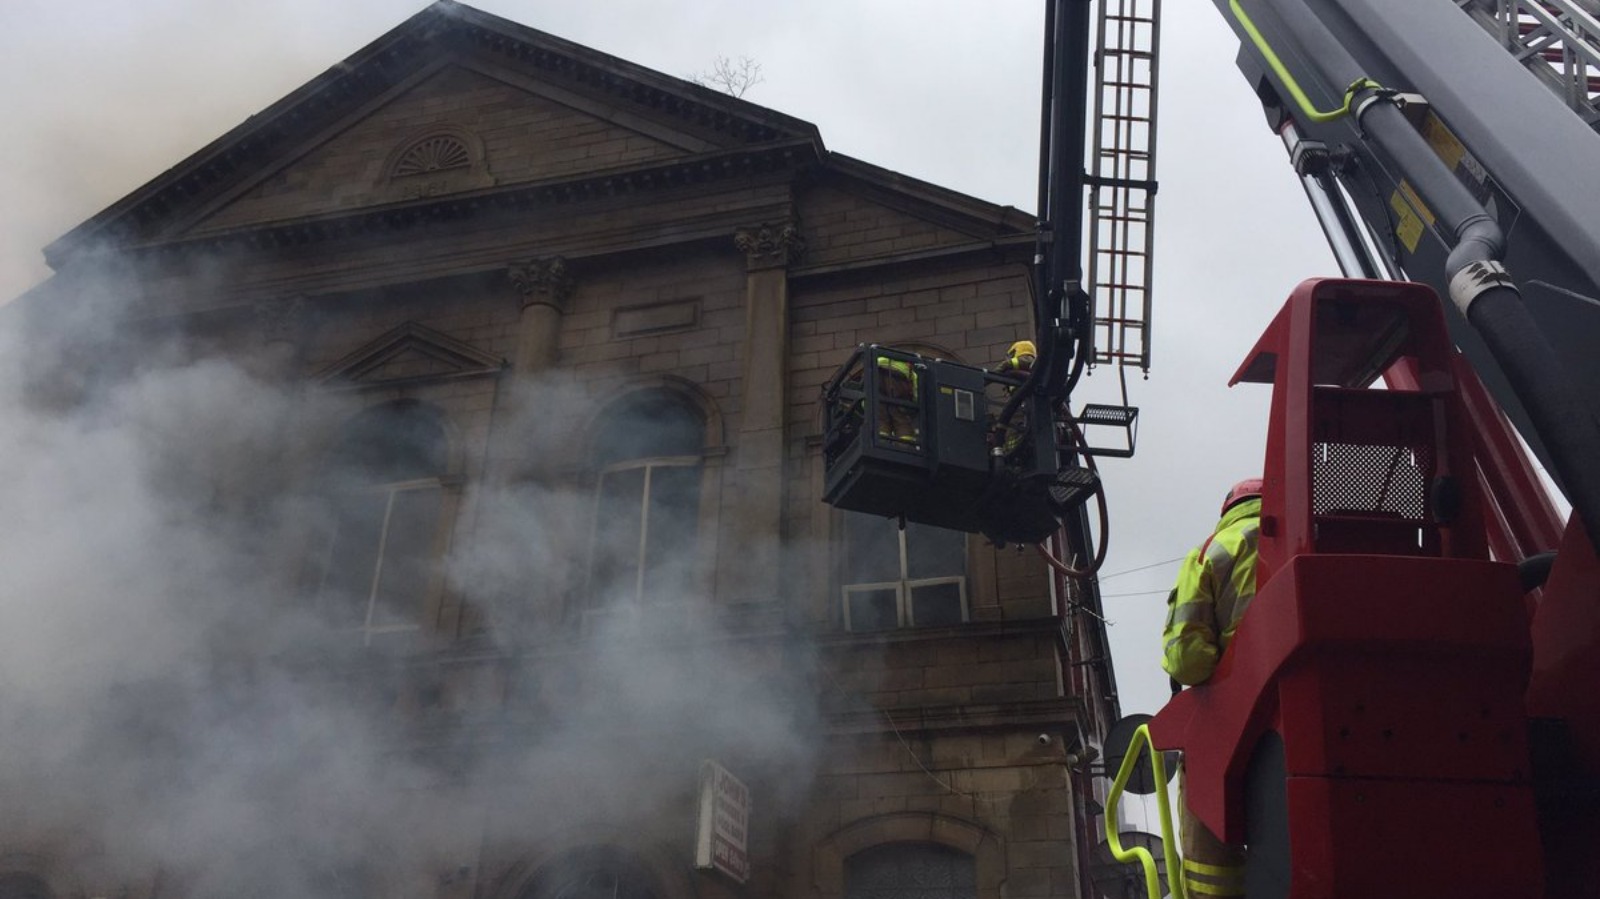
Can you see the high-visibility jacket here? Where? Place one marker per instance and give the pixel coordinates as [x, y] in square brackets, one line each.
[1215, 586]
[899, 367]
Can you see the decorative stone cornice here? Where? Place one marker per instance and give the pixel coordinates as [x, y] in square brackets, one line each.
[543, 282]
[770, 245]
[364, 223]
[280, 321]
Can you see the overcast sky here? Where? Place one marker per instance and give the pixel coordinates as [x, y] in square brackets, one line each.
[101, 97]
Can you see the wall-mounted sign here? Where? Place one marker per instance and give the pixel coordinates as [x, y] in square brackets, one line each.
[721, 839]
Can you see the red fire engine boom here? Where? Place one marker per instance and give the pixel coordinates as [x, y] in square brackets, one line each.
[1366, 733]
[1410, 705]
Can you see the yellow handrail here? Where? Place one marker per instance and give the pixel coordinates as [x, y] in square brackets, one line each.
[1311, 112]
[1169, 846]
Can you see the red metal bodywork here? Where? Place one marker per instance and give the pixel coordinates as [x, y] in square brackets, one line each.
[1384, 648]
[1565, 693]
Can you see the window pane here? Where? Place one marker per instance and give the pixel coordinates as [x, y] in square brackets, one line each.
[407, 563]
[353, 557]
[672, 520]
[618, 520]
[934, 552]
[396, 442]
[871, 549]
[648, 425]
[936, 605]
[873, 609]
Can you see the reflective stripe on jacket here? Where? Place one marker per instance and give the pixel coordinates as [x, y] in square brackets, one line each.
[1215, 586]
[899, 367]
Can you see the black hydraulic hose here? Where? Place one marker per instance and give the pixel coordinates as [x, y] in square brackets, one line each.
[1479, 284]
[1031, 384]
[1483, 290]
[1488, 298]
[1081, 528]
[1565, 421]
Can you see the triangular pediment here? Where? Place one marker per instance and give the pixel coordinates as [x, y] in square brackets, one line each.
[855, 211]
[454, 102]
[408, 354]
[457, 128]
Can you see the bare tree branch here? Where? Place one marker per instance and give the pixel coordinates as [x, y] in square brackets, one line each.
[730, 77]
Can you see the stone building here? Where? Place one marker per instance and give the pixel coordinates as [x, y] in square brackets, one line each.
[548, 331]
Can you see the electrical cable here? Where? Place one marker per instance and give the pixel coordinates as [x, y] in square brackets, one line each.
[1107, 577]
[1136, 593]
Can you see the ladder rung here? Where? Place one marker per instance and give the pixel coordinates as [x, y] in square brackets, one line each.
[1123, 182]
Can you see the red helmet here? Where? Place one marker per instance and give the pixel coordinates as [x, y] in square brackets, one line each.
[1245, 489]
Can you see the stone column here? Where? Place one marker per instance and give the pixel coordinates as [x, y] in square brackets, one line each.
[520, 458]
[769, 251]
[545, 286]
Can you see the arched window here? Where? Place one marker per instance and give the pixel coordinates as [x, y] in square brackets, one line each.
[647, 451]
[386, 484]
[598, 872]
[911, 871]
[18, 885]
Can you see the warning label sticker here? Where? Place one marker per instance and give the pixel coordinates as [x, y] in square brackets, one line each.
[1412, 216]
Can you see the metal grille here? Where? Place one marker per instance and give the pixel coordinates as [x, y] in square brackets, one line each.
[1122, 201]
[911, 871]
[599, 872]
[1370, 479]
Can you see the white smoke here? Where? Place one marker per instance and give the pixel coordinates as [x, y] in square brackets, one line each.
[172, 705]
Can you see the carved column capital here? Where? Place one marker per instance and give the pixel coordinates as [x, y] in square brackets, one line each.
[770, 245]
[543, 282]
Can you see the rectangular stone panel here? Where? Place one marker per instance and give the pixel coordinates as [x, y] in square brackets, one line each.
[655, 318]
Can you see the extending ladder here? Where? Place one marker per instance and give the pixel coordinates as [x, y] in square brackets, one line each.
[1122, 180]
[1558, 40]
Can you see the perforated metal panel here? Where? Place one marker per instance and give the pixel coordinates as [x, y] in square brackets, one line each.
[1370, 479]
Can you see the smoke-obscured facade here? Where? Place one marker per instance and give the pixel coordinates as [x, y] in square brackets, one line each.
[412, 490]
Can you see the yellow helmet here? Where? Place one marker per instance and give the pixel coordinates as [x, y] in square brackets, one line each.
[1020, 356]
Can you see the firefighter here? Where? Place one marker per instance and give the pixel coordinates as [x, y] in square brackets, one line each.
[1215, 586]
[1019, 360]
[897, 381]
[1017, 365]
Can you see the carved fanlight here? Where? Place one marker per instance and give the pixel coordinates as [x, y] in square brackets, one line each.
[441, 159]
[436, 153]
